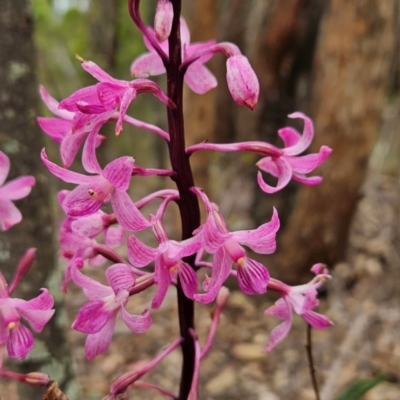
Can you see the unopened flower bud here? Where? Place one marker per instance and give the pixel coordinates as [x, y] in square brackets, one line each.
[242, 81]
[163, 19]
[37, 379]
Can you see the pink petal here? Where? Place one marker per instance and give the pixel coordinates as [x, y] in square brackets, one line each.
[90, 226]
[129, 95]
[4, 167]
[9, 214]
[126, 213]
[119, 172]
[183, 249]
[306, 164]
[110, 95]
[185, 33]
[89, 159]
[20, 341]
[289, 135]
[309, 181]
[163, 279]
[139, 254]
[79, 202]
[137, 323]
[44, 301]
[278, 334]
[56, 128]
[120, 277]
[36, 318]
[319, 269]
[69, 147]
[221, 268]
[242, 81]
[306, 137]
[214, 233]
[148, 64]
[199, 78]
[281, 169]
[281, 309]
[252, 277]
[86, 95]
[3, 288]
[92, 317]
[64, 174]
[114, 236]
[261, 240]
[200, 47]
[3, 335]
[93, 290]
[317, 321]
[18, 188]
[188, 280]
[99, 342]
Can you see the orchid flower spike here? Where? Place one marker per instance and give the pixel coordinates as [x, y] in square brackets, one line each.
[98, 316]
[13, 190]
[299, 299]
[227, 248]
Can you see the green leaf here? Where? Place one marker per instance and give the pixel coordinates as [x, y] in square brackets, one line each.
[357, 389]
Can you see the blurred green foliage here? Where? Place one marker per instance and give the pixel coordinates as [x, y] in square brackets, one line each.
[357, 389]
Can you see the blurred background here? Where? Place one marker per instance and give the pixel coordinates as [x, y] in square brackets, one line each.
[337, 61]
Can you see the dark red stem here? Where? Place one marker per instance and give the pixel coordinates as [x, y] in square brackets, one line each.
[187, 203]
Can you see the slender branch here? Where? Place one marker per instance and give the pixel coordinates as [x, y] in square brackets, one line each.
[187, 203]
[311, 362]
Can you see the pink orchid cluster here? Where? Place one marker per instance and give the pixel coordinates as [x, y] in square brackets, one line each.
[101, 216]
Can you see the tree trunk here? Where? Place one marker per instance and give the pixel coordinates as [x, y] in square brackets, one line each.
[22, 140]
[352, 66]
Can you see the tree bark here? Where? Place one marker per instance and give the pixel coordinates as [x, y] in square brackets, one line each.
[21, 140]
[352, 68]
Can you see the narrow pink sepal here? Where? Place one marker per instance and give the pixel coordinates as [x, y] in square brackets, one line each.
[120, 277]
[316, 320]
[305, 139]
[53, 105]
[163, 279]
[289, 135]
[99, 342]
[283, 173]
[307, 163]
[242, 81]
[20, 341]
[137, 323]
[98, 73]
[87, 95]
[140, 254]
[278, 334]
[126, 213]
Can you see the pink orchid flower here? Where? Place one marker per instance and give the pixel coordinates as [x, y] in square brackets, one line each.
[168, 259]
[110, 183]
[109, 94]
[197, 77]
[13, 190]
[37, 312]
[98, 316]
[70, 128]
[226, 246]
[285, 164]
[299, 299]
